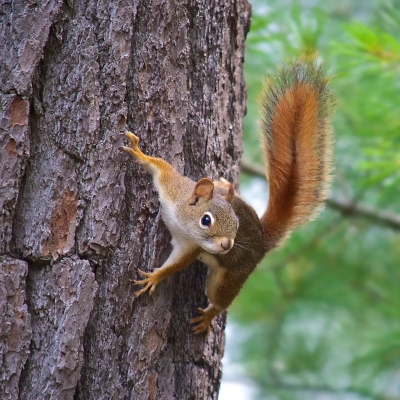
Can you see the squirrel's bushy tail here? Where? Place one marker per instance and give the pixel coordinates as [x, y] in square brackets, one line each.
[297, 140]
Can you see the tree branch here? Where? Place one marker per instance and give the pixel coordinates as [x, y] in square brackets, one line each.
[346, 208]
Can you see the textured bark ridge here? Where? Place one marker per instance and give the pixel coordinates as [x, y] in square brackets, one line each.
[78, 217]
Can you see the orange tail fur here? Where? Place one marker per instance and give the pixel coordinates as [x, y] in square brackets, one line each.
[297, 142]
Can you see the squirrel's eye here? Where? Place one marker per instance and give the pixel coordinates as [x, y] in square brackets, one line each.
[206, 221]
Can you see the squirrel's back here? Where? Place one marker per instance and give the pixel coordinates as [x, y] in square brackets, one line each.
[297, 140]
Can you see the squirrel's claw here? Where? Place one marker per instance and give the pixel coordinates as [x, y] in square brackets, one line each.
[146, 274]
[128, 150]
[141, 291]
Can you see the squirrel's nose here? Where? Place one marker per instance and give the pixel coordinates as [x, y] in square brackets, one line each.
[227, 244]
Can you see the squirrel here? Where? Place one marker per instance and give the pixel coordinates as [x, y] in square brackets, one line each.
[208, 221]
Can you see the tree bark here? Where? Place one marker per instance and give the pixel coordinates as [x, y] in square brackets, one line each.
[78, 216]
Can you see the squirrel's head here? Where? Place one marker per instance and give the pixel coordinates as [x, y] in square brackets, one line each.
[214, 223]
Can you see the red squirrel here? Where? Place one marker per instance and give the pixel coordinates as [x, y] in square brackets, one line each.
[209, 222]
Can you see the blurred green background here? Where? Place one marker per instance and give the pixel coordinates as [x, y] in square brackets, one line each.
[320, 318]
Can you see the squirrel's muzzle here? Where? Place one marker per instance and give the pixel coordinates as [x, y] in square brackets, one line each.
[226, 244]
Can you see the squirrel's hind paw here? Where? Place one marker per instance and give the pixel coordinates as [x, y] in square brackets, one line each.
[203, 322]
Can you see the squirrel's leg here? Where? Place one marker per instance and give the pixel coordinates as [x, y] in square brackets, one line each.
[214, 286]
[223, 286]
[153, 164]
[180, 257]
[167, 181]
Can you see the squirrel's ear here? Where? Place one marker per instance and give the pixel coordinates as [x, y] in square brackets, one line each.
[230, 195]
[204, 188]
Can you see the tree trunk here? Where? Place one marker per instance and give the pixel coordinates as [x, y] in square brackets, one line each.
[78, 216]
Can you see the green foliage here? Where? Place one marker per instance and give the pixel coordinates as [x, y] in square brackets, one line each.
[320, 318]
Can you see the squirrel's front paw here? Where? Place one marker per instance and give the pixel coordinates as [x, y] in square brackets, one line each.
[134, 148]
[151, 280]
[203, 322]
[133, 139]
